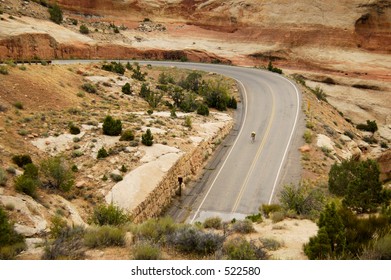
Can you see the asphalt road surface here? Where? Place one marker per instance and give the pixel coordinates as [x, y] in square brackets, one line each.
[243, 175]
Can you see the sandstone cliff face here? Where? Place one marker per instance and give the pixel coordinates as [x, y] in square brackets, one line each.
[344, 23]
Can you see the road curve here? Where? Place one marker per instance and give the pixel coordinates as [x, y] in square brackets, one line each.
[248, 174]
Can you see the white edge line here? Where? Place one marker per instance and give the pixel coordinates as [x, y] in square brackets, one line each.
[289, 142]
[225, 161]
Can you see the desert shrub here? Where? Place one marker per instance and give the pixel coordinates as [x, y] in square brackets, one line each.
[232, 103]
[277, 216]
[308, 136]
[191, 240]
[349, 134]
[126, 89]
[58, 224]
[104, 236]
[379, 250]
[73, 129]
[255, 218]
[155, 229]
[192, 82]
[213, 222]
[271, 244]
[320, 94]
[90, 88]
[202, 110]
[245, 226]
[57, 173]
[215, 94]
[267, 209]
[303, 200]
[370, 126]
[109, 215]
[127, 135]
[115, 67]
[3, 70]
[11, 243]
[3, 177]
[84, 29]
[69, 245]
[241, 249]
[116, 177]
[27, 185]
[55, 14]
[165, 79]
[111, 126]
[18, 105]
[137, 74]
[188, 122]
[147, 138]
[102, 153]
[146, 250]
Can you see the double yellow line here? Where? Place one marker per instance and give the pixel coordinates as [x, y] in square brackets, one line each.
[250, 171]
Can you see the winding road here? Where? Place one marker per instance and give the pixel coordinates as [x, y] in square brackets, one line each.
[245, 175]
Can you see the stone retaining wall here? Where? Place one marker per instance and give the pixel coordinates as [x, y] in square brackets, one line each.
[187, 165]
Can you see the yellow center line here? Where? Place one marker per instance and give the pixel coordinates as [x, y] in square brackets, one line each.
[244, 186]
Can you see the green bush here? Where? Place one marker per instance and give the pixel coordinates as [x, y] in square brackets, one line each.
[271, 244]
[137, 74]
[215, 94]
[84, 29]
[115, 67]
[21, 160]
[27, 185]
[380, 250]
[147, 138]
[11, 243]
[57, 174]
[267, 209]
[358, 182]
[232, 103]
[320, 94]
[126, 89]
[370, 126]
[203, 110]
[111, 126]
[55, 14]
[213, 222]
[69, 245]
[155, 230]
[188, 122]
[127, 135]
[18, 105]
[104, 236]
[116, 177]
[58, 224]
[244, 227]
[3, 177]
[73, 129]
[90, 88]
[146, 250]
[3, 70]
[241, 249]
[255, 218]
[109, 215]
[277, 216]
[102, 153]
[303, 200]
[191, 240]
[308, 136]
[271, 68]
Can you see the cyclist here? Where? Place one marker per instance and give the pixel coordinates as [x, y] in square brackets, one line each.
[253, 136]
